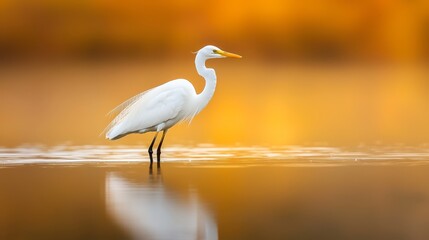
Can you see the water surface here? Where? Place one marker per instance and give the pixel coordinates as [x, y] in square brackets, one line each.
[211, 192]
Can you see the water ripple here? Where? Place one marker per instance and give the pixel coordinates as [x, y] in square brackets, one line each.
[223, 156]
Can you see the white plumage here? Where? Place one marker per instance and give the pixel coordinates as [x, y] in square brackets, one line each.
[162, 107]
[154, 110]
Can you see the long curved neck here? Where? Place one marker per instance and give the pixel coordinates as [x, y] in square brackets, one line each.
[209, 75]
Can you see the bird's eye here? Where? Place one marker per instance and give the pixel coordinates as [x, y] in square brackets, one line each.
[215, 51]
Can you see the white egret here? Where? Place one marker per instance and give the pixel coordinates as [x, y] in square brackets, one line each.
[160, 108]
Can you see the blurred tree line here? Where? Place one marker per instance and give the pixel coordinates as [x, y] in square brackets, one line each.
[354, 30]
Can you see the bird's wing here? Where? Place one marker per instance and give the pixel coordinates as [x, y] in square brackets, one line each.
[151, 108]
[122, 110]
[157, 107]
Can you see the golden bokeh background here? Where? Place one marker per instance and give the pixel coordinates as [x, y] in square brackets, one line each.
[314, 72]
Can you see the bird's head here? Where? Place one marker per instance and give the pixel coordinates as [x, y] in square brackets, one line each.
[210, 51]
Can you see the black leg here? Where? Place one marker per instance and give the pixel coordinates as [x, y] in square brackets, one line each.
[158, 151]
[150, 149]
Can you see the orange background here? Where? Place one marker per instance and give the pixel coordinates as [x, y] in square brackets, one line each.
[324, 72]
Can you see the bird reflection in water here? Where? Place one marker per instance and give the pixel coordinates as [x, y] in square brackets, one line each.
[158, 167]
[147, 209]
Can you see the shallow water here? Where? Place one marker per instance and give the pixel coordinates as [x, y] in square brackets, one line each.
[211, 192]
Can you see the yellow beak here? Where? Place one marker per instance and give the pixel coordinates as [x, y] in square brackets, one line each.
[228, 54]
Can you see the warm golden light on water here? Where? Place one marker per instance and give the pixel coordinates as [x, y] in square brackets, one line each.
[254, 192]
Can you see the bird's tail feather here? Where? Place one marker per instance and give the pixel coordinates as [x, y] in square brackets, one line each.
[115, 133]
